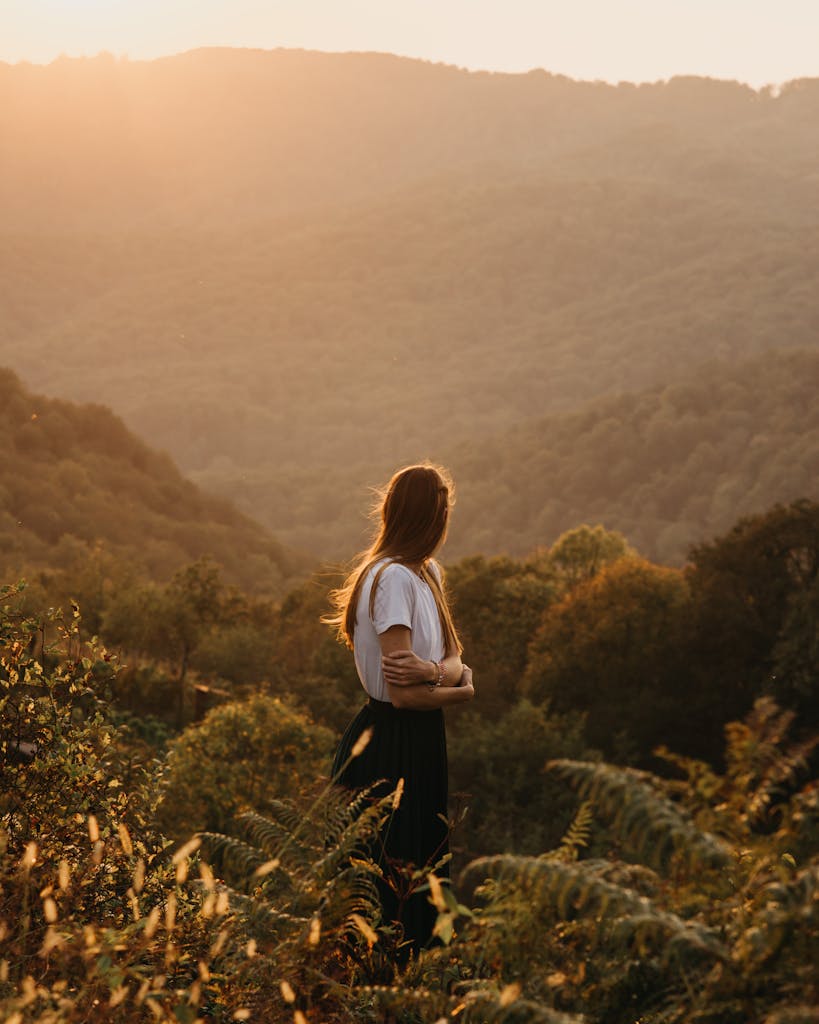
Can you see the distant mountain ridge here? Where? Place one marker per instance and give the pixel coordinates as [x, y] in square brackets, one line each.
[244, 134]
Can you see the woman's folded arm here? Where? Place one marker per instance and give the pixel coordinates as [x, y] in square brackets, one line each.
[422, 697]
[411, 680]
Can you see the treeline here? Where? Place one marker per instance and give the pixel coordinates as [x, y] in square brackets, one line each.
[81, 495]
[533, 294]
[141, 141]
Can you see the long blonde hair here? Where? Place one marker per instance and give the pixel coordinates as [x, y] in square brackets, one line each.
[413, 511]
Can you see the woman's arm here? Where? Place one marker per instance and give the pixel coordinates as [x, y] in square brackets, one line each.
[402, 666]
[404, 670]
[421, 698]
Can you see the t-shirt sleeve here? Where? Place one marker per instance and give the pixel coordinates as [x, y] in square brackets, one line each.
[394, 599]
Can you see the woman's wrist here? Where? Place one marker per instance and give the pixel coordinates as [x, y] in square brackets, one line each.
[438, 675]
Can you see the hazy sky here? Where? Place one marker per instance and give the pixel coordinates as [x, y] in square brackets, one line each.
[756, 41]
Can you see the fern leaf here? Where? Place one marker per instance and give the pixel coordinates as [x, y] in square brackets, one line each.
[785, 911]
[264, 832]
[570, 891]
[273, 839]
[264, 920]
[649, 824]
[357, 836]
[479, 1003]
[234, 858]
[576, 836]
[284, 813]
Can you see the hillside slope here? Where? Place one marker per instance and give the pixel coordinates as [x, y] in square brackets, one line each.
[72, 477]
[667, 466]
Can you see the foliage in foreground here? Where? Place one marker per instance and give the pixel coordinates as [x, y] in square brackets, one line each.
[700, 904]
[101, 917]
[708, 912]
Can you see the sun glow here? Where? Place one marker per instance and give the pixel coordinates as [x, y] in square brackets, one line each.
[633, 40]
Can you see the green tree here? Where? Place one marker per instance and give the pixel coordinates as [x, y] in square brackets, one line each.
[754, 616]
[498, 603]
[581, 553]
[795, 676]
[311, 666]
[611, 648]
[169, 622]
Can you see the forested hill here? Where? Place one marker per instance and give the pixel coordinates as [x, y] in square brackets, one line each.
[667, 466]
[74, 480]
[295, 271]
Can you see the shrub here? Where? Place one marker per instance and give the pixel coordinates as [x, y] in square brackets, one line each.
[240, 757]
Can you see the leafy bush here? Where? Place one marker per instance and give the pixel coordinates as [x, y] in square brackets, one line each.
[242, 756]
[496, 770]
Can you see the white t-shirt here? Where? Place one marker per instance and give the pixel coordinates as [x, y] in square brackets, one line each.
[401, 599]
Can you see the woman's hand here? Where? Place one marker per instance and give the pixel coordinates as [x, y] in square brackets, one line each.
[423, 698]
[405, 668]
[466, 684]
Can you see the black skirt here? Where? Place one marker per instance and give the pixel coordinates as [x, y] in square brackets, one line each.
[409, 745]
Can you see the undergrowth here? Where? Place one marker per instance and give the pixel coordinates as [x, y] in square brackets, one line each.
[684, 900]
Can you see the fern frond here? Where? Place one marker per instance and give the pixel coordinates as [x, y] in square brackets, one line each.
[339, 808]
[272, 839]
[652, 827]
[787, 916]
[263, 920]
[235, 859]
[340, 802]
[780, 775]
[766, 718]
[351, 891]
[760, 770]
[701, 780]
[358, 834]
[520, 1011]
[576, 836]
[753, 744]
[264, 832]
[428, 1004]
[635, 877]
[572, 891]
[285, 814]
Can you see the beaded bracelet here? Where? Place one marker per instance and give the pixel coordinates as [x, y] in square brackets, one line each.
[433, 684]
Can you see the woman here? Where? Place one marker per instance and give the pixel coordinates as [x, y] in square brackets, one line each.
[392, 610]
